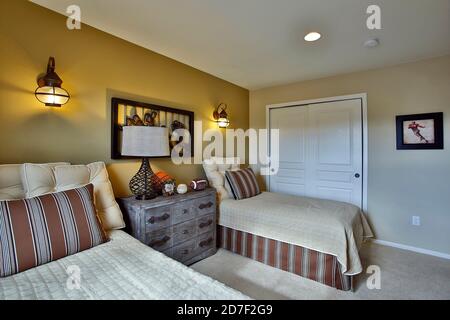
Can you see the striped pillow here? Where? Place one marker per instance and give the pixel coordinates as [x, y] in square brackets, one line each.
[42, 229]
[243, 183]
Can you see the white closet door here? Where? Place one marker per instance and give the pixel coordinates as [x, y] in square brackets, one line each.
[320, 151]
[335, 154]
[291, 176]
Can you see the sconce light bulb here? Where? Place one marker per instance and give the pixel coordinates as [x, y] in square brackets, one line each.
[223, 122]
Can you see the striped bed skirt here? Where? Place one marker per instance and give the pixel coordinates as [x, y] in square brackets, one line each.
[307, 263]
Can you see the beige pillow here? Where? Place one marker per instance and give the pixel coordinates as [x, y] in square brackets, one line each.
[71, 177]
[215, 172]
[39, 180]
[105, 202]
[10, 182]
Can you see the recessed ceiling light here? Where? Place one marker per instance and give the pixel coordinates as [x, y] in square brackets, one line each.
[313, 36]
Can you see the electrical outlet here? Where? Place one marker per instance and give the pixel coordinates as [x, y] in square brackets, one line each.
[416, 221]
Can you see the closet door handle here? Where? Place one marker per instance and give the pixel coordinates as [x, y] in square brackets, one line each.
[357, 175]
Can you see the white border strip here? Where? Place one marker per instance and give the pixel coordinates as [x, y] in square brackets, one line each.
[411, 248]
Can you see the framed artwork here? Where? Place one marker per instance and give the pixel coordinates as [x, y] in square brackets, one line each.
[127, 112]
[420, 131]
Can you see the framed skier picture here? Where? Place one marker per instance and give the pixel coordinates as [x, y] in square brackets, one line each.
[420, 131]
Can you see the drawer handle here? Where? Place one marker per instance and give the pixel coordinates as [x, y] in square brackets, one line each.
[205, 205]
[205, 224]
[160, 242]
[154, 219]
[205, 243]
[185, 251]
[185, 231]
[185, 211]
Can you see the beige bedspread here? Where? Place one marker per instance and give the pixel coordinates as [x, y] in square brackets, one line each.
[327, 226]
[122, 268]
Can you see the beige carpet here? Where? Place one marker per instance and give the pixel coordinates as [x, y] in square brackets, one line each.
[404, 275]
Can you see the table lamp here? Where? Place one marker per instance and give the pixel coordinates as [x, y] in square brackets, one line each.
[145, 142]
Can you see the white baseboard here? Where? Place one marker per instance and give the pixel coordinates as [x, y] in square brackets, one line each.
[411, 248]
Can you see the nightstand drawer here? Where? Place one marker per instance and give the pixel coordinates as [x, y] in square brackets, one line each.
[184, 231]
[183, 212]
[160, 239]
[182, 252]
[206, 224]
[204, 205]
[192, 248]
[171, 236]
[205, 242]
[157, 218]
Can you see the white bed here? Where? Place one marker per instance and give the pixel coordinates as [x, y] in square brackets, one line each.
[331, 227]
[122, 268]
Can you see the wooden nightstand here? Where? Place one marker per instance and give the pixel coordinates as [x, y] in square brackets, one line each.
[181, 226]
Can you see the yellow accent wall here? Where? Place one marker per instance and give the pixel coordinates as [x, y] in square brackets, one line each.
[94, 66]
[401, 184]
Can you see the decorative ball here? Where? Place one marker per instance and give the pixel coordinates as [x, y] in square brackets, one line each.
[182, 188]
[198, 184]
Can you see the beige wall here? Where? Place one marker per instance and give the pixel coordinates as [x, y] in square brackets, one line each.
[94, 67]
[401, 183]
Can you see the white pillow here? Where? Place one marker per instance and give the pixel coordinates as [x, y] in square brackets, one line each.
[71, 177]
[105, 202]
[10, 182]
[215, 172]
[39, 180]
[35, 183]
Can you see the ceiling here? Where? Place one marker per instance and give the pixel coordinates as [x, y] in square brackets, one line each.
[259, 43]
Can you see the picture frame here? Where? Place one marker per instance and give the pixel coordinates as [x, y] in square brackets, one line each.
[420, 131]
[163, 116]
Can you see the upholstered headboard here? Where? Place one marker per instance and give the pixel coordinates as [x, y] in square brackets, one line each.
[20, 181]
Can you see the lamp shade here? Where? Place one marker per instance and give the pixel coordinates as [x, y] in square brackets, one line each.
[223, 122]
[142, 141]
[52, 96]
[50, 91]
[221, 116]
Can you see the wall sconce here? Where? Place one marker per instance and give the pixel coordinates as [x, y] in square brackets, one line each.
[221, 116]
[49, 91]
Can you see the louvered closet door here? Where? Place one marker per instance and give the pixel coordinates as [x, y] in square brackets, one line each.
[320, 151]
